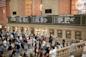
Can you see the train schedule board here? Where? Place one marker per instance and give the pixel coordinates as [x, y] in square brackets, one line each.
[52, 20]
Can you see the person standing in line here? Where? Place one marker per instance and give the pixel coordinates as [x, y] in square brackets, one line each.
[63, 43]
[50, 40]
[73, 48]
[53, 52]
[84, 51]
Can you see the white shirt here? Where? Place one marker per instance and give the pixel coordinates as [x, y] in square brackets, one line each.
[20, 37]
[53, 52]
[11, 36]
[72, 47]
[29, 41]
[5, 42]
[44, 43]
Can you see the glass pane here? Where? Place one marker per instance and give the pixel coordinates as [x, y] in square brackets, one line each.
[59, 33]
[78, 35]
[68, 34]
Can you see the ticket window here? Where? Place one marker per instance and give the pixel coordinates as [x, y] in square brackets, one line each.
[45, 32]
[9, 28]
[27, 31]
[13, 28]
[18, 29]
[42, 32]
[32, 30]
[59, 33]
[51, 31]
[22, 29]
[3, 28]
[68, 34]
[37, 31]
[78, 35]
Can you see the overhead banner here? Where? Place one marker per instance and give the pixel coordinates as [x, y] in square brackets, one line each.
[68, 20]
[41, 19]
[18, 19]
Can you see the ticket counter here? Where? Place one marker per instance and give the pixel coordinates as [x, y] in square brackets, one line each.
[58, 31]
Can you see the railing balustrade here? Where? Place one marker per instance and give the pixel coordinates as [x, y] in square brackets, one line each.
[65, 52]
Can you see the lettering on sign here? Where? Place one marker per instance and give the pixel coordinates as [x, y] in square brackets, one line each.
[62, 20]
[68, 20]
[39, 20]
[25, 19]
[13, 19]
[19, 20]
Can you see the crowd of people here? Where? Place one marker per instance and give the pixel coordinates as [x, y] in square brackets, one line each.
[14, 44]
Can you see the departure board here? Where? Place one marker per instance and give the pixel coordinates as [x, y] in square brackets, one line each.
[63, 20]
[18, 19]
[55, 20]
[41, 19]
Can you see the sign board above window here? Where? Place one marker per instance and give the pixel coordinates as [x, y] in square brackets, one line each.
[55, 20]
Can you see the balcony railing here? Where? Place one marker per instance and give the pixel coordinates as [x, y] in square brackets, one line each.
[79, 20]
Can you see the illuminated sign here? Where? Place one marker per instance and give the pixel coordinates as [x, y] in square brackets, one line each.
[68, 20]
[39, 19]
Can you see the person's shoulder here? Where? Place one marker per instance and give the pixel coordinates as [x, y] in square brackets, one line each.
[55, 50]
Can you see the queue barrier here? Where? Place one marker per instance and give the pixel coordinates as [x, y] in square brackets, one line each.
[79, 49]
[65, 52]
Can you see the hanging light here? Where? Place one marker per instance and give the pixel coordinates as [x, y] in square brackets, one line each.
[81, 6]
